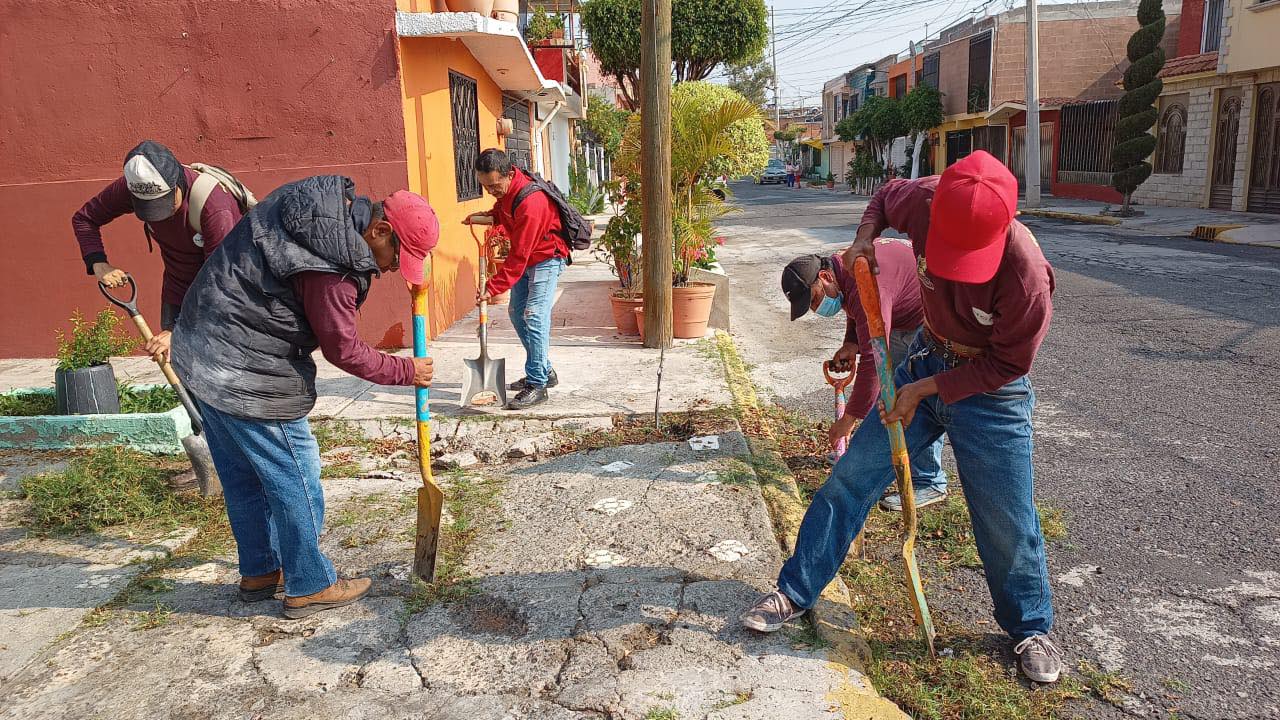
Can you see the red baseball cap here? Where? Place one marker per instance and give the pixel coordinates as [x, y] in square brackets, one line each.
[974, 203]
[417, 227]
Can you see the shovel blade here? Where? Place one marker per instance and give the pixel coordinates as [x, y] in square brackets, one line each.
[915, 588]
[485, 374]
[430, 502]
[197, 448]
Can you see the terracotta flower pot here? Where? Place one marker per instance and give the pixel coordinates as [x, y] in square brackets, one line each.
[624, 316]
[506, 10]
[639, 320]
[690, 309]
[483, 7]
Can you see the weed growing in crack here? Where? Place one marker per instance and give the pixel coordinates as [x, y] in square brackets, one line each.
[666, 713]
[804, 636]
[1106, 686]
[740, 698]
[156, 617]
[334, 433]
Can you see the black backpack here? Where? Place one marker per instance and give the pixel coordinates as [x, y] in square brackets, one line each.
[575, 230]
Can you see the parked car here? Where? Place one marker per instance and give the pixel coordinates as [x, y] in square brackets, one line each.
[774, 172]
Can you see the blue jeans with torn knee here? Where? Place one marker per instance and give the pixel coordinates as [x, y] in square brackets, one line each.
[270, 472]
[531, 299]
[990, 435]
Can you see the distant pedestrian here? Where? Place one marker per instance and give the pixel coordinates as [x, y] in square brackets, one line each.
[825, 286]
[791, 175]
[158, 190]
[289, 279]
[986, 290]
[531, 270]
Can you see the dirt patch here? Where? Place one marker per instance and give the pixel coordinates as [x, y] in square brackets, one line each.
[491, 616]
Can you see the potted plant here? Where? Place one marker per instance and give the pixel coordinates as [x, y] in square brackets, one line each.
[715, 131]
[543, 27]
[619, 247]
[84, 383]
[831, 180]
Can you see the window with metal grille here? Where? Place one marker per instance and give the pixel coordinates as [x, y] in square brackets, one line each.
[1211, 33]
[979, 94]
[1171, 139]
[929, 73]
[466, 134]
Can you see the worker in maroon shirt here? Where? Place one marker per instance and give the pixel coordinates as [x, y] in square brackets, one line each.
[531, 271]
[289, 279]
[155, 188]
[986, 290]
[823, 285]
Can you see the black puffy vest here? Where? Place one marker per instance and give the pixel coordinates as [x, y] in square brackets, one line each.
[242, 343]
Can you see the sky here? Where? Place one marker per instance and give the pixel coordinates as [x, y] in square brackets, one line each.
[820, 39]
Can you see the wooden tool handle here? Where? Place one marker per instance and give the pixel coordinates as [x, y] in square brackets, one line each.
[869, 294]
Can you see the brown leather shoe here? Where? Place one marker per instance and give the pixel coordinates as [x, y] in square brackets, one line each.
[262, 587]
[343, 592]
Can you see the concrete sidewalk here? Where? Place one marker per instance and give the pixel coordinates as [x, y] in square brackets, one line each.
[1248, 228]
[598, 584]
[600, 372]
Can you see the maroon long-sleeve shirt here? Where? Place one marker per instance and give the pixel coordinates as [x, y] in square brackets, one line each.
[1007, 316]
[329, 302]
[534, 230]
[899, 302]
[182, 257]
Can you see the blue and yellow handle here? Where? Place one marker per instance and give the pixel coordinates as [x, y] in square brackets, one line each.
[430, 497]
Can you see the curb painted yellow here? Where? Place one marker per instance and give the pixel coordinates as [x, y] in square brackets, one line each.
[1074, 217]
[834, 617]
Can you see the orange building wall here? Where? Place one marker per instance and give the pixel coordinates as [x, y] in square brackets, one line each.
[425, 64]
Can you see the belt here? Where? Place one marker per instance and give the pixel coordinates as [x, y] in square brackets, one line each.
[952, 353]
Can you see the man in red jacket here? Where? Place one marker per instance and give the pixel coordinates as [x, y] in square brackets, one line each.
[155, 188]
[986, 290]
[531, 271]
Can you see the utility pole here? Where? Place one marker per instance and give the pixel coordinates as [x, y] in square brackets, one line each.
[777, 102]
[655, 169]
[1032, 168]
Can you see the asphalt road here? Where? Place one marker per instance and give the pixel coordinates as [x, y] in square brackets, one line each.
[1157, 431]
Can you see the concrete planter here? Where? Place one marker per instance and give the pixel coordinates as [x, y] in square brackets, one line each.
[149, 432]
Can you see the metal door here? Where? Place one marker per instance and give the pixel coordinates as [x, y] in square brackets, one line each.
[1018, 156]
[1224, 150]
[1264, 183]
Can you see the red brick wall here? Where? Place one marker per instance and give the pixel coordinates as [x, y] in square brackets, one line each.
[273, 91]
[1191, 28]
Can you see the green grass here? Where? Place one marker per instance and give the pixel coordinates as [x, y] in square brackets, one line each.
[110, 487]
[737, 699]
[333, 434]
[471, 502]
[161, 398]
[666, 713]
[1106, 686]
[154, 618]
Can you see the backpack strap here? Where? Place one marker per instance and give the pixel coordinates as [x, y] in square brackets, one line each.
[201, 189]
[523, 193]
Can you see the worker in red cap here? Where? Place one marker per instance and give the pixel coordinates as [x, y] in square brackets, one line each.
[288, 280]
[986, 290]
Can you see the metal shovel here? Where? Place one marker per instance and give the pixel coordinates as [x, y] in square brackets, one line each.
[195, 444]
[484, 374]
[869, 294]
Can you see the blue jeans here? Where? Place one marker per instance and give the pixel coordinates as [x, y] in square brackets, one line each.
[270, 472]
[991, 437]
[531, 299]
[926, 468]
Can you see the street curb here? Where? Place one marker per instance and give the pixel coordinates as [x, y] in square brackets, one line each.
[1070, 216]
[833, 617]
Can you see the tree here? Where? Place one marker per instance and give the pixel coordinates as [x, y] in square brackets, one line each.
[921, 112]
[876, 123]
[752, 78]
[1138, 113]
[605, 123]
[705, 34]
[788, 138]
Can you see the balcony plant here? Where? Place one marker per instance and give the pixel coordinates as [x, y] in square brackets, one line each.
[84, 382]
[543, 27]
[715, 132]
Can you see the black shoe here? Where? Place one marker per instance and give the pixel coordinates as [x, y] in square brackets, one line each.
[527, 398]
[522, 383]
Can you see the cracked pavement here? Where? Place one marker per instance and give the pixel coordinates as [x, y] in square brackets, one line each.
[541, 634]
[1156, 432]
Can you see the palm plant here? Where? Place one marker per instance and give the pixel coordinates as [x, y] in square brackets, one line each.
[700, 142]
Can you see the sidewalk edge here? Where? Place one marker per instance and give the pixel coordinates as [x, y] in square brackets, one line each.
[1071, 216]
[834, 617]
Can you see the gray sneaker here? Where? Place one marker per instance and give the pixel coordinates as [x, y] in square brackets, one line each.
[770, 613]
[1039, 658]
[924, 498]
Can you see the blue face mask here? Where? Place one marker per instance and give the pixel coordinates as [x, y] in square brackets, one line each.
[831, 305]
